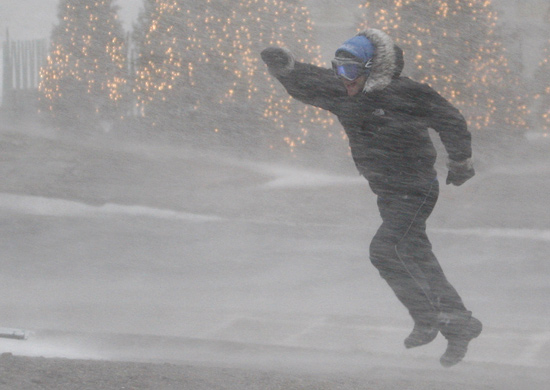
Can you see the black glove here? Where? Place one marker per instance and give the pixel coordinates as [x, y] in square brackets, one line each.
[460, 171]
[279, 61]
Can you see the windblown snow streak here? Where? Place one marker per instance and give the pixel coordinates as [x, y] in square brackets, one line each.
[36, 205]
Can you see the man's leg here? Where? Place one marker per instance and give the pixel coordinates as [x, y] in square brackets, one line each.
[453, 316]
[391, 252]
[454, 321]
[447, 297]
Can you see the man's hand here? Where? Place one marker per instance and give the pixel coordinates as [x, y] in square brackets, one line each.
[279, 61]
[460, 171]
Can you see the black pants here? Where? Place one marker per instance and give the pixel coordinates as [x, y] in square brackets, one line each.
[403, 255]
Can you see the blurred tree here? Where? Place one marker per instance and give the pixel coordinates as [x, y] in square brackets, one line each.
[200, 61]
[85, 76]
[454, 47]
[163, 83]
[542, 97]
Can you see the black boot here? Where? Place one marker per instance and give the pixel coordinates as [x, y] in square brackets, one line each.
[459, 329]
[421, 335]
[426, 328]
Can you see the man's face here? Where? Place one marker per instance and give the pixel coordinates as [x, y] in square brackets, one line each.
[356, 86]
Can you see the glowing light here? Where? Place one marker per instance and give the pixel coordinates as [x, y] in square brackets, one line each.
[467, 66]
[542, 99]
[84, 62]
[219, 45]
[187, 57]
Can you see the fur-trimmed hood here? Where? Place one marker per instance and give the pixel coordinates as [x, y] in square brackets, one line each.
[387, 62]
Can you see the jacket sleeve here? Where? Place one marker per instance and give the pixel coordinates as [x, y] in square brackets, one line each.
[448, 122]
[313, 85]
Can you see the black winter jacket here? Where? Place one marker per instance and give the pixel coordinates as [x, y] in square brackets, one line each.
[387, 125]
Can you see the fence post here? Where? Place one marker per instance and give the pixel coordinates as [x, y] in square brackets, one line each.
[21, 62]
[33, 71]
[7, 80]
[16, 63]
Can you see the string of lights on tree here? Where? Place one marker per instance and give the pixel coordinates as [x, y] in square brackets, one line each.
[204, 57]
[542, 98]
[453, 46]
[86, 69]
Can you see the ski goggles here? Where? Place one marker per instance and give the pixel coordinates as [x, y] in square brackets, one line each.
[350, 69]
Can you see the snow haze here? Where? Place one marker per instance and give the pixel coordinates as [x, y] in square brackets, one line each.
[33, 19]
[145, 247]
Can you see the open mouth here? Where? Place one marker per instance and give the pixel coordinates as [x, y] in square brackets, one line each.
[351, 85]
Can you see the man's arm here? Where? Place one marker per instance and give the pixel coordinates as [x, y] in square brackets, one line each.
[446, 120]
[305, 82]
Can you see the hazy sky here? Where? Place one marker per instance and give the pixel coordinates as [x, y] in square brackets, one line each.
[33, 19]
[30, 19]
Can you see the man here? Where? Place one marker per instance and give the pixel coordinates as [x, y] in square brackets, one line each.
[386, 118]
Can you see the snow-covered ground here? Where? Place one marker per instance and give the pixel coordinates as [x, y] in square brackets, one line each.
[146, 251]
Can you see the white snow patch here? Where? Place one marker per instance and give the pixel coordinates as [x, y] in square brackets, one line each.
[541, 168]
[286, 177]
[533, 349]
[36, 205]
[530, 234]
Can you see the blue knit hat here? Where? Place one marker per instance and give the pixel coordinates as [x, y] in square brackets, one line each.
[358, 46]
